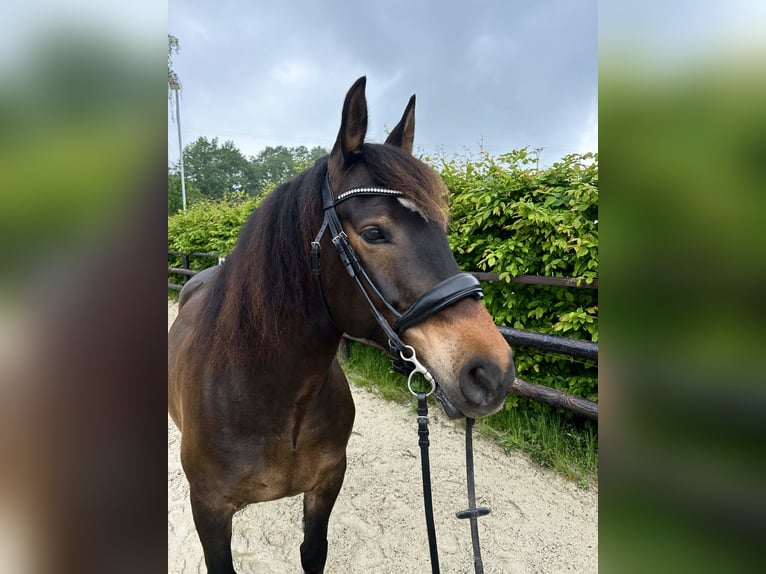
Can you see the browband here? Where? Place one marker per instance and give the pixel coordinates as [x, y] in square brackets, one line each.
[366, 191]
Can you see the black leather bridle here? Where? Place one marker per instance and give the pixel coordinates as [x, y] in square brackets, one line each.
[443, 294]
[403, 357]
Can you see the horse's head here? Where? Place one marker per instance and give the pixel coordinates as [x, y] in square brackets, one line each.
[396, 222]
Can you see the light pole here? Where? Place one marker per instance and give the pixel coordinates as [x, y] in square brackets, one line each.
[173, 83]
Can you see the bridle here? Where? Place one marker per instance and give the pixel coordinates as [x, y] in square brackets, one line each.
[403, 357]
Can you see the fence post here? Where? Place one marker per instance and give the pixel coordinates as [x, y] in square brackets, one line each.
[185, 263]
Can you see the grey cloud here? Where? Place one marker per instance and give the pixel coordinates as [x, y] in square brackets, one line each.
[507, 74]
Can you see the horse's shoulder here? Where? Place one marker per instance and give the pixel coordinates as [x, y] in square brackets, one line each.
[203, 278]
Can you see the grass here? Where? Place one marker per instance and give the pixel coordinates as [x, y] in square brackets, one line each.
[368, 368]
[550, 437]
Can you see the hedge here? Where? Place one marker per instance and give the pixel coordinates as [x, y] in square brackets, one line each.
[209, 227]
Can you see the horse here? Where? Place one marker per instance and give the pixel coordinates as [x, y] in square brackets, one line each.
[355, 244]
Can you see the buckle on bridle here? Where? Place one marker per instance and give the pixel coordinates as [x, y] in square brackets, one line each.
[419, 369]
[345, 252]
[340, 239]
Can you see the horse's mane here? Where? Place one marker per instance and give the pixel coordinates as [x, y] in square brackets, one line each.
[267, 277]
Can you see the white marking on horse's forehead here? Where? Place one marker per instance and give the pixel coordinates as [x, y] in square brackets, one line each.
[412, 206]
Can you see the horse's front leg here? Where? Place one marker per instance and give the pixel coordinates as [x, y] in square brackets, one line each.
[317, 506]
[212, 518]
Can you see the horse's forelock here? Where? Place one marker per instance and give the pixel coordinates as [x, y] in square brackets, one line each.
[396, 169]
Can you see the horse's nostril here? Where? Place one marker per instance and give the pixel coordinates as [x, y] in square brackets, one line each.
[479, 381]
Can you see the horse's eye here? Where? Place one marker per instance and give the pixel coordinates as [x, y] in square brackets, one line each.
[373, 235]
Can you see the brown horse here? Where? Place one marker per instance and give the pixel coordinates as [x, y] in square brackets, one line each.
[254, 386]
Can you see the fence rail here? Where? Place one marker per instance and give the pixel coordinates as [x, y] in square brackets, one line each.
[538, 280]
[550, 343]
[556, 398]
[186, 270]
[553, 343]
[481, 276]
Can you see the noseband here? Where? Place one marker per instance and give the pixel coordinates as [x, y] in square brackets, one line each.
[443, 294]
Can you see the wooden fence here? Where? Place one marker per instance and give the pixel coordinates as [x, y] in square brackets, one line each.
[514, 337]
[186, 271]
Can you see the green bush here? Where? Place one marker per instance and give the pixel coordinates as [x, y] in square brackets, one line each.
[511, 218]
[208, 227]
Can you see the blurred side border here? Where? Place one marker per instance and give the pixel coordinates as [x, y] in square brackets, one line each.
[82, 328]
[682, 149]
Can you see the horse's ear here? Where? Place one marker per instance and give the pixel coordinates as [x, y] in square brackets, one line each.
[403, 135]
[353, 125]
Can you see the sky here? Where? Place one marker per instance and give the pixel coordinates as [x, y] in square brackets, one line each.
[496, 75]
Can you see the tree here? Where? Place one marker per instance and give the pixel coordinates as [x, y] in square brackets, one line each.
[274, 165]
[215, 169]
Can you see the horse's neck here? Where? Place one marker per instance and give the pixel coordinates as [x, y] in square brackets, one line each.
[307, 342]
[311, 345]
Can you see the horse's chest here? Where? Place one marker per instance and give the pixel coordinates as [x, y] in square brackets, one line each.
[285, 468]
[276, 448]
[310, 444]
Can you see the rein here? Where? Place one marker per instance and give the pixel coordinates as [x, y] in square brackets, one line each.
[403, 357]
[472, 513]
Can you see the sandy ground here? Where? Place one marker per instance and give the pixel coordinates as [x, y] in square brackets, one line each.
[540, 522]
